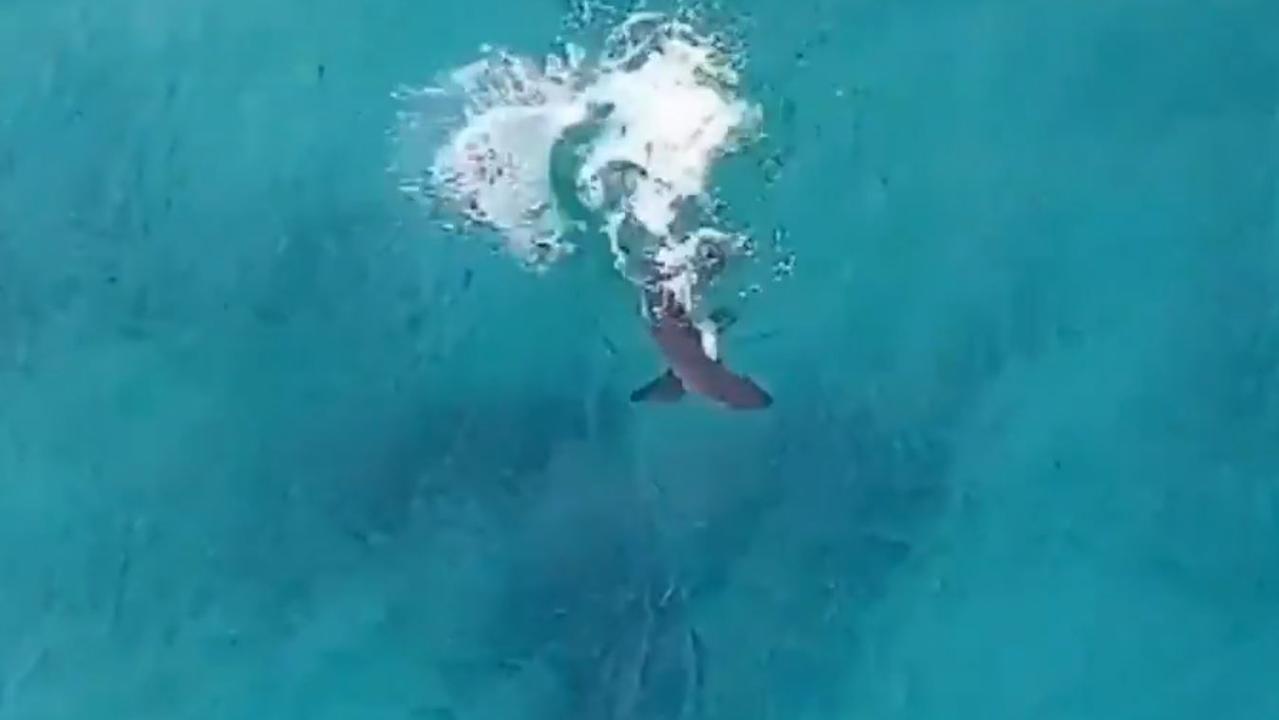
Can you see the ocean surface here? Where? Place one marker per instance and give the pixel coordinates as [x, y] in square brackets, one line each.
[274, 444]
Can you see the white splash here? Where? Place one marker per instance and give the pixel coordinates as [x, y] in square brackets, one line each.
[623, 143]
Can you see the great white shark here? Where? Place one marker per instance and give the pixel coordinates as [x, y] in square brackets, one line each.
[689, 349]
[692, 362]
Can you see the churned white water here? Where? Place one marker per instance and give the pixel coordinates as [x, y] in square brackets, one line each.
[614, 149]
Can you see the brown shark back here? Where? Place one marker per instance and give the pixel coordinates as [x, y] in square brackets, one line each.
[681, 345]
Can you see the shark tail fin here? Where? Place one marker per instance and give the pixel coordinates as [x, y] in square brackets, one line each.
[664, 388]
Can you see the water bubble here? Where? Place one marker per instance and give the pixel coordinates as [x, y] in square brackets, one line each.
[779, 238]
[784, 267]
[772, 167]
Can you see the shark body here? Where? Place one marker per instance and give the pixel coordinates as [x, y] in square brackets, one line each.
[692, 365]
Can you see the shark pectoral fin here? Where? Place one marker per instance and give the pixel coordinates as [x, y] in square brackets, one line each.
[665, 388]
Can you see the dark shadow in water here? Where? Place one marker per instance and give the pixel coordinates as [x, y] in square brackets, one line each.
[605, 585]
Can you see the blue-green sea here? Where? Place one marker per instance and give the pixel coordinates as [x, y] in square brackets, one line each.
[275, 446]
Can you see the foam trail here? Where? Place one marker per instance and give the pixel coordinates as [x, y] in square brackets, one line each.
[617, 147]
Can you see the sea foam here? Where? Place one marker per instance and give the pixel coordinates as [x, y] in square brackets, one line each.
[615, 148]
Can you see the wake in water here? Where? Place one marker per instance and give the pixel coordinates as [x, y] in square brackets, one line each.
[615, 149]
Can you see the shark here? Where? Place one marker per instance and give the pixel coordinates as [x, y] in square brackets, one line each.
[688, 347]
[693, 362]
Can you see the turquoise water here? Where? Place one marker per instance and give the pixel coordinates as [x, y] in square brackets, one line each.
[272, 446]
